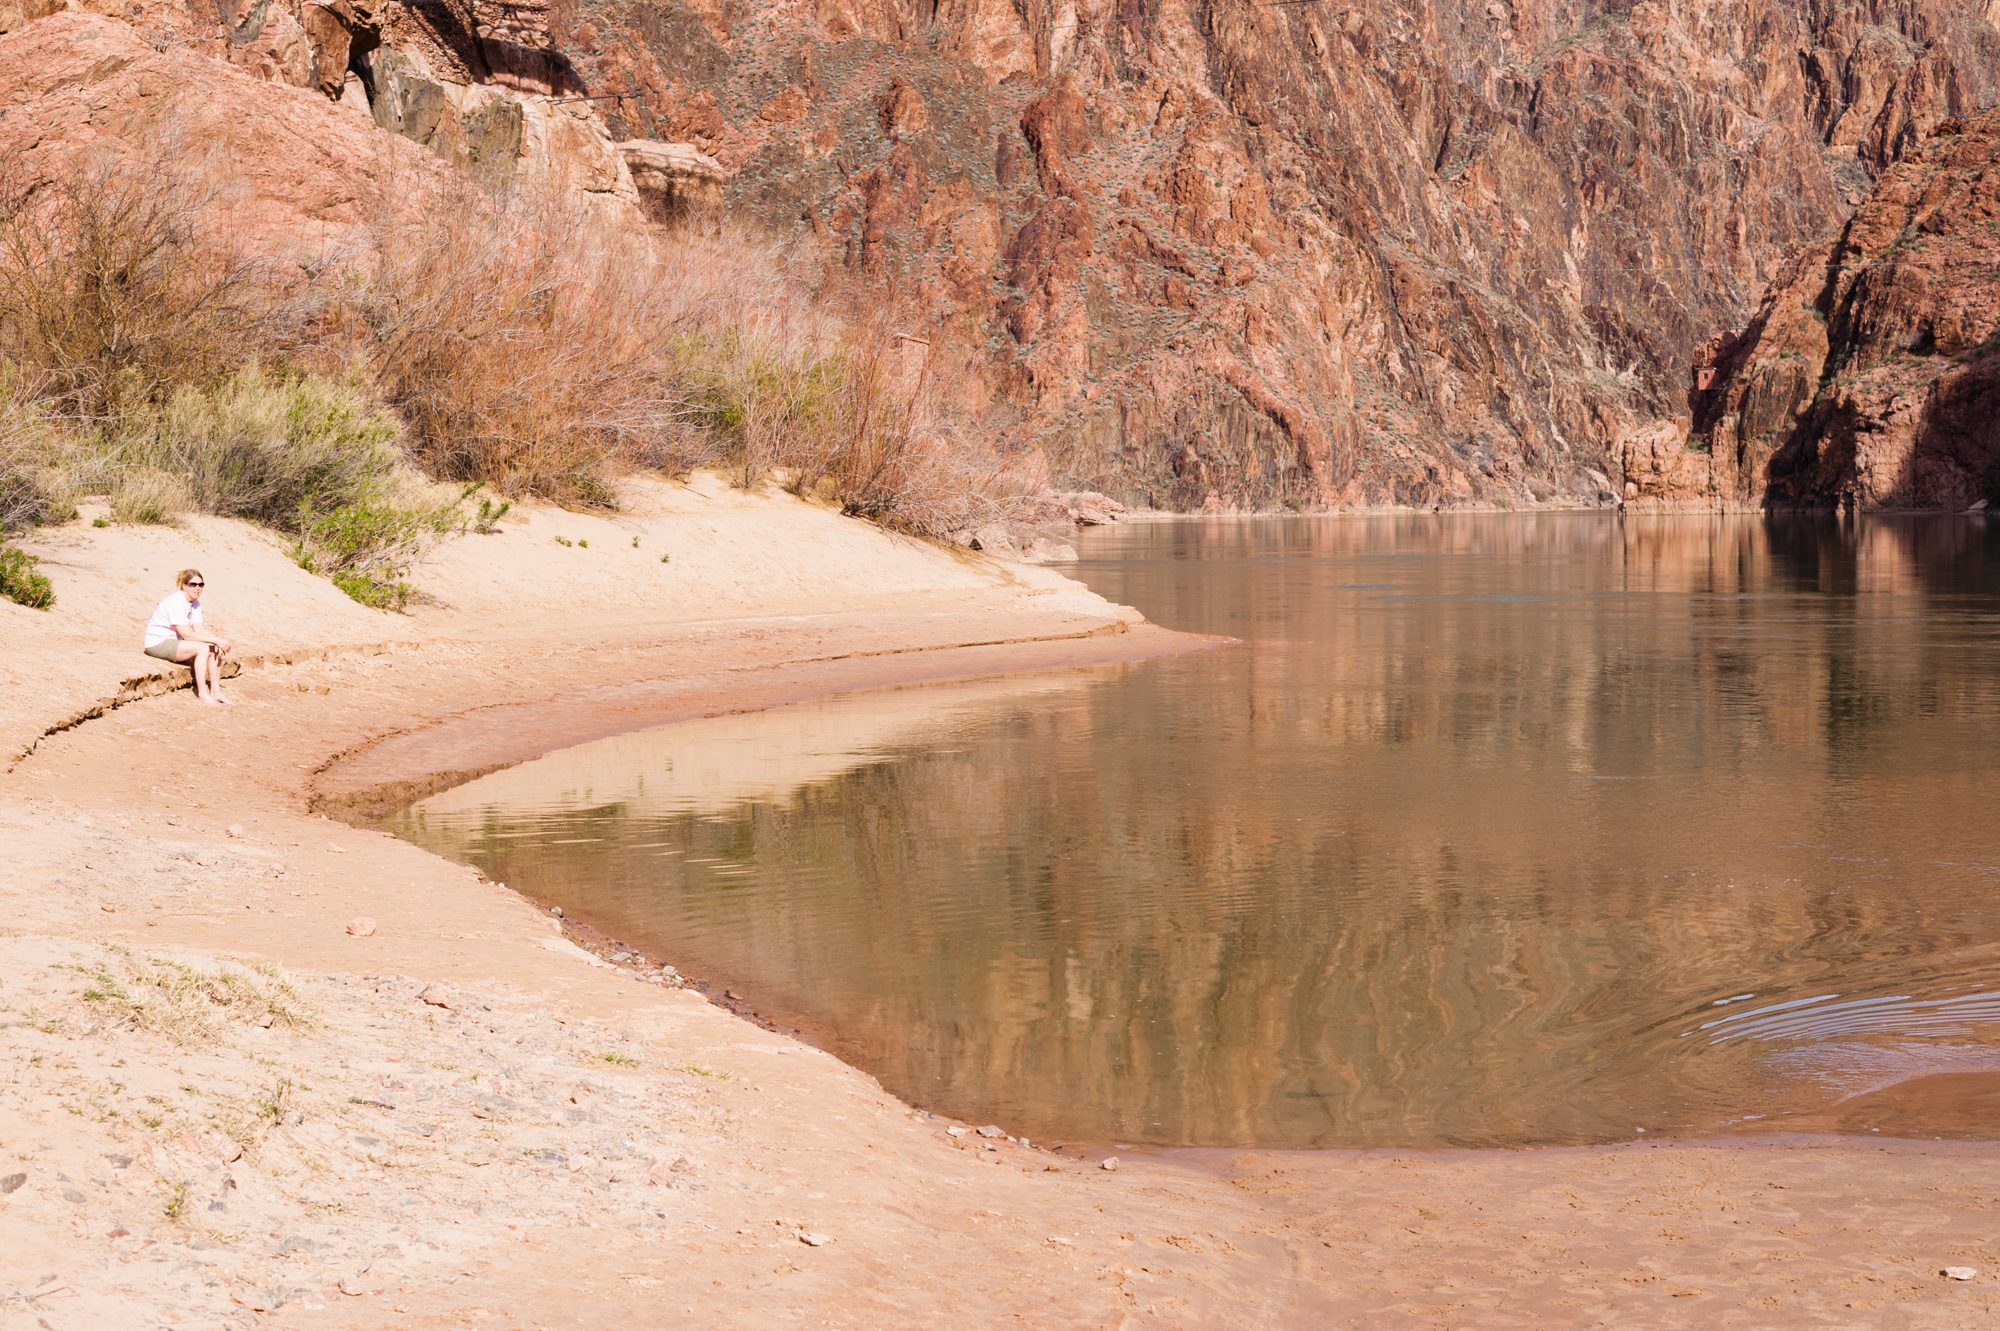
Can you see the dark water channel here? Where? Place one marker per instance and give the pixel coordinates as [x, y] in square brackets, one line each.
[1494, 830]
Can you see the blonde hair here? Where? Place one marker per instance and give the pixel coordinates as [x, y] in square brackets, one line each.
[187, 575]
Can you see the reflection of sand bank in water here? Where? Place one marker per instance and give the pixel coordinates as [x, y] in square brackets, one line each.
[716, 763]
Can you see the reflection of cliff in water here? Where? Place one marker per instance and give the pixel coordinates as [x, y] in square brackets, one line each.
[1484, 823]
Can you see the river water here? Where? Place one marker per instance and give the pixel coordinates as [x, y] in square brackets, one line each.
[1493, 830]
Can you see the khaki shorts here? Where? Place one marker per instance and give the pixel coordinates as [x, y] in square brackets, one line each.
[168, 651]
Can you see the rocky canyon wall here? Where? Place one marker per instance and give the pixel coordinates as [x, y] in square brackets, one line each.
[1870, 375]
[1211, 252]
[1318, 253]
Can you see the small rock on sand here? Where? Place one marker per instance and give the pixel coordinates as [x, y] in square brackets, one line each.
[954, 1131]
[12, 1183]
[235, 830]
[991, 1130]
[812, 1240]
[436, 995]
[361, 926]
[1959, 1272]
[1110, 1162]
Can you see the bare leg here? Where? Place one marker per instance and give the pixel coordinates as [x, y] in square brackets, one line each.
[197, 661]
[215, 676]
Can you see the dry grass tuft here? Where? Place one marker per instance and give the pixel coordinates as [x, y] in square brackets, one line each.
[148, 496]
[187, 1004]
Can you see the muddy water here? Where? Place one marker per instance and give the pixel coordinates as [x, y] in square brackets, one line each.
[1494, 830]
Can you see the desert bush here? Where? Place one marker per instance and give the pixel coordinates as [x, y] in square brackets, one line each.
[147, 496]
[20, 583]
[260, 445]
[525, 345]
[366, 545]
[519, 344]
[117, 283]
[34, 485]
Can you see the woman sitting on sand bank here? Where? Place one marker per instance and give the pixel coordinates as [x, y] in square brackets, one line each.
[174, 634]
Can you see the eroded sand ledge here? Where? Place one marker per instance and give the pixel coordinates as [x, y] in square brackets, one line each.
[561, 1146]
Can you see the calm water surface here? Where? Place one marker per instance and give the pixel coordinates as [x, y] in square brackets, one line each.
[1493, 830]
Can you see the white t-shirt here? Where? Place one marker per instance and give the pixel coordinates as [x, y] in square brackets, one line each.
[176, 609]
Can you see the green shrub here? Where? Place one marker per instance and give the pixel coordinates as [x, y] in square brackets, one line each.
[264, 446]
[19, 582]
[364, 547]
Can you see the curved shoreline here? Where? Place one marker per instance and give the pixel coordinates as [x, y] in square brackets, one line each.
[777, 1187]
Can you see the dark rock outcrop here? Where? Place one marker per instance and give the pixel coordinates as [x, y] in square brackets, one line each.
[1870, 374]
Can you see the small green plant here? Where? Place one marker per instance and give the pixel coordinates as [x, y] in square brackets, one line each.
[617, 1059]
[20, 583]
[583, 545]
[701, 1070]
[177, 1200]
[273, 1104]
[565, 542]
[100, 522]
[364, 547]
[666, 558]
[489, 517]
[635, 543]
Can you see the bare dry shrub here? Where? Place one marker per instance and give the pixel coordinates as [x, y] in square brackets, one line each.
[540, 350]
[519, 343]
[527, 344]
[34, 486]
[117, 282]
[148, 496]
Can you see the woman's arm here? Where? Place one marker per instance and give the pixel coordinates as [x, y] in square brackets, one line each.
[190, 633]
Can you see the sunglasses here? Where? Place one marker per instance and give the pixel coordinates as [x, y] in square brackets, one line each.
[197, 584]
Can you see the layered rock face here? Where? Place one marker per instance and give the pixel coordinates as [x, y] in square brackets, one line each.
[1323, 253]
[1870, 375]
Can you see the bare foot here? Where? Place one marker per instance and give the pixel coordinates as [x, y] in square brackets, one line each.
[210, 702]
[226, 702]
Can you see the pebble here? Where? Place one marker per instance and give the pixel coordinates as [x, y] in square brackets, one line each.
[436, 995]
[12, 1183]
[361, 926]
[235, 830]
[1110, 1163]
[264, 1020]
[992, 1131]
[1959, 1272]
[954, 1131]
[350, 1286]
[553, 910]
[812, 1240]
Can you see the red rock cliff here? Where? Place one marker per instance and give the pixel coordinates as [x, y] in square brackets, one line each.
[1308, 252]
[1870, 375]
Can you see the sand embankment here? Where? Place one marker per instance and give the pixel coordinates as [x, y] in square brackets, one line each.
[555, 1144]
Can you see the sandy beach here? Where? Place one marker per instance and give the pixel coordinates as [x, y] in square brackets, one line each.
[269, 1068]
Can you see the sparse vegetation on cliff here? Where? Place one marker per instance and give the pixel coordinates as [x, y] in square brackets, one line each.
[499, 342]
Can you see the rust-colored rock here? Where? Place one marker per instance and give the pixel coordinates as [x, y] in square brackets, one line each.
[301, 171]
[1426, 253]
[1870, 374]
[673, 179]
